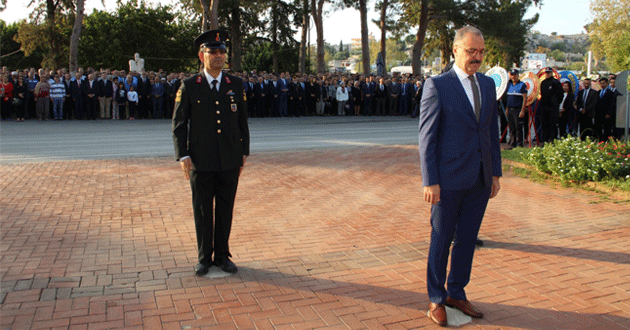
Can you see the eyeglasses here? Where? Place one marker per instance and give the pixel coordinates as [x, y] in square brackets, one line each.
[474, 52]
[215, 51]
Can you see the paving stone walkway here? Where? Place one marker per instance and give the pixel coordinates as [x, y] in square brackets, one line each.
[324, 239]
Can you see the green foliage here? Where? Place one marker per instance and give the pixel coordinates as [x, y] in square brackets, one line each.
[111, 40]
[504, 28]
[258, 55]
[571, 159]
[610, 32]
[557, 55]
[14, 58]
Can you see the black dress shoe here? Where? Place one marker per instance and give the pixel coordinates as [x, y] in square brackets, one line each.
[225, 264]
[201, 269]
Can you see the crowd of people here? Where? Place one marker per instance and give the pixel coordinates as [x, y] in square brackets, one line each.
[559, 113]
[116, 94]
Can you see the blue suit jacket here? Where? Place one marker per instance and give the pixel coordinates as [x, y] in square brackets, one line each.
[453, 145]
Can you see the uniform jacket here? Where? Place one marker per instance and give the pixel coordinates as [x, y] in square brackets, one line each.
[453, 144]
[209, 126]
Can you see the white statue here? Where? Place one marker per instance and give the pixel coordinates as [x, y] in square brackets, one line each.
[137, 64]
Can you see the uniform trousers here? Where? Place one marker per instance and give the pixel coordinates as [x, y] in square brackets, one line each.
[455, 218]
[549, 120]
[516, 127]
[213, 228]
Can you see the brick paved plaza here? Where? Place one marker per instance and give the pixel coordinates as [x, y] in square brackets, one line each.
[329, 238]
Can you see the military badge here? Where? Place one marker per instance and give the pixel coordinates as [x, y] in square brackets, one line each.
[199, 79]
[178, 97]
[244, 96]
[227, 79]
[233, 107]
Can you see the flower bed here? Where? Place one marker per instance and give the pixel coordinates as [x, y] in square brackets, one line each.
[571, 159]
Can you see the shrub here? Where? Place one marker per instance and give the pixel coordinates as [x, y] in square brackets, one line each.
[571, 159]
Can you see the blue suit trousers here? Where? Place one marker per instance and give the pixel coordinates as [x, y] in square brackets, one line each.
[455, 218]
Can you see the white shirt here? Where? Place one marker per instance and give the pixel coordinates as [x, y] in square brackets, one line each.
[463, 78]
[210, 78]
[132, 96]
[342, 94]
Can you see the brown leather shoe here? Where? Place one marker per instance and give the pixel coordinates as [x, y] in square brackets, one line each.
[465, 306]
[437, 314]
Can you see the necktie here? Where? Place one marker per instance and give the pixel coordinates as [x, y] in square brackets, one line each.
[586, 94]
[476, 100]
[214, 85]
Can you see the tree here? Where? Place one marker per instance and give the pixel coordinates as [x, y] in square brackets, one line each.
[259, 57]
[46, 29]
[365, 46]
[416, 13]
[303, 41]
[494, 18]
[106, 41]
[76, 35]
[389, 9]
[557, 55]
[317, 7]
[12, 55]
[383, 26]
[210, 14]
[610, 32]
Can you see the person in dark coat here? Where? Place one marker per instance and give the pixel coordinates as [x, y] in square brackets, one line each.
[586, 103]
[551, 94]
[211, 139]
[605, 111]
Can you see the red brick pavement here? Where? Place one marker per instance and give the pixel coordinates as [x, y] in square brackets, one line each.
[333, 239]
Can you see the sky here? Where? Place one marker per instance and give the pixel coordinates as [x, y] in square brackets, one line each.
[561, 16]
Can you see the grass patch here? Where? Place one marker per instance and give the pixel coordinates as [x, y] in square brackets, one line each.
[517, 154]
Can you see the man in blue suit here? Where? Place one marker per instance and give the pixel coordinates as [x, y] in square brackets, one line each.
[461, 166]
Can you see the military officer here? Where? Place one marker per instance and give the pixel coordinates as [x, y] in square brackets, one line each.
[211, 139]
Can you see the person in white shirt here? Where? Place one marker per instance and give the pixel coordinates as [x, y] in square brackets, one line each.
[342, 98]
[132, 97]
